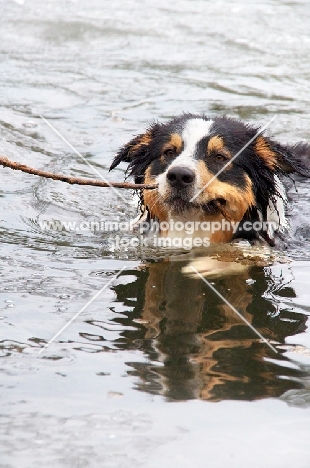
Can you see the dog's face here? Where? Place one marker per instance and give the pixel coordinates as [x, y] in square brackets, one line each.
[193, 160]
[194, 174]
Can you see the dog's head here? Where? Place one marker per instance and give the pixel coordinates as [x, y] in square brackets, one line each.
[210, 169]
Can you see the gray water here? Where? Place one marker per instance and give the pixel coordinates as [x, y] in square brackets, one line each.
[156, 371]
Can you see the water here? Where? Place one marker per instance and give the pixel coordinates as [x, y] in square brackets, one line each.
[132, 381]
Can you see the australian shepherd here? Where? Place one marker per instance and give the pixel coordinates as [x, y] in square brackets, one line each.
[214, 170]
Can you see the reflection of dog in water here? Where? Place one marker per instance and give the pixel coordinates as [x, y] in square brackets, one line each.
[218, 171]
[196, 346]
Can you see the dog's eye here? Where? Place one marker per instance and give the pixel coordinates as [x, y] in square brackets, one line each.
[219, 157]
[169, 152]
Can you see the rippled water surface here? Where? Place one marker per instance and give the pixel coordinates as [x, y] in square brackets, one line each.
[156, 370]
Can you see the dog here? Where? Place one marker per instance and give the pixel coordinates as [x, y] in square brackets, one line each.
[210, 171]
[213, 171]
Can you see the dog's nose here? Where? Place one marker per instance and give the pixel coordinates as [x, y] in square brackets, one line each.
[180, 177]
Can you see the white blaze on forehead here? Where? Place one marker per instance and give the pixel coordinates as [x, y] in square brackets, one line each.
[193, 132]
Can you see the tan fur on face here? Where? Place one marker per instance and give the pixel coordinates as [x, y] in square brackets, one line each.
[238, 201]
[216, 145]
[264, 151]
[175, 143]
[152, 199]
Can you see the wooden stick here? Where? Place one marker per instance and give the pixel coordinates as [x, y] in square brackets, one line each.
[5, 162]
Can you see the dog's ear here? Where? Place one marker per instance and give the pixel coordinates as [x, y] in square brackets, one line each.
[139, 153]
[135, 148]
[285, 159]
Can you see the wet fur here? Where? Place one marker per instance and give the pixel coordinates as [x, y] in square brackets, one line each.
[249, 189]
